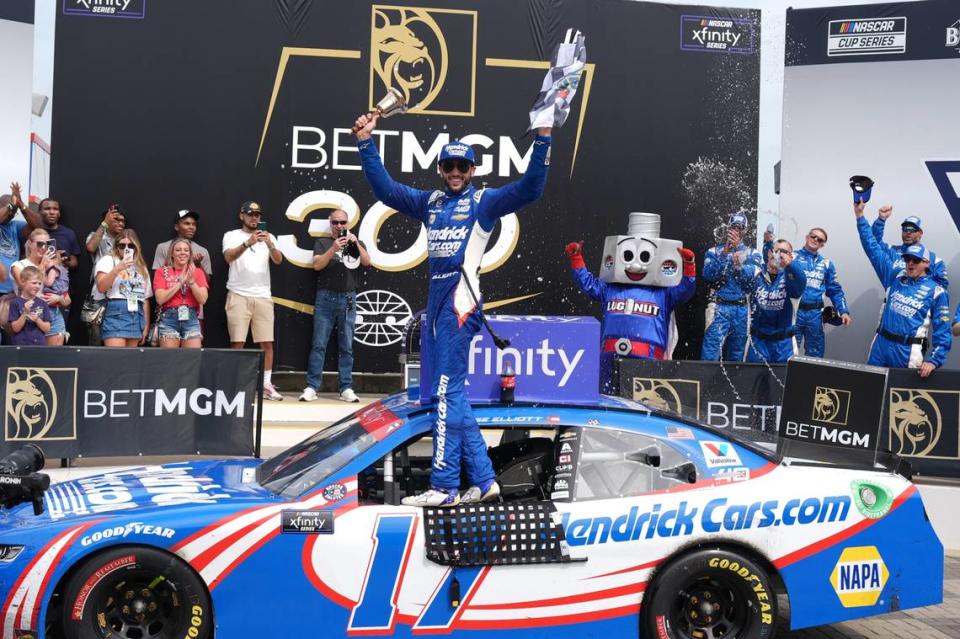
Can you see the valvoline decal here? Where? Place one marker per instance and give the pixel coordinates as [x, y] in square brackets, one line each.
[718, 514]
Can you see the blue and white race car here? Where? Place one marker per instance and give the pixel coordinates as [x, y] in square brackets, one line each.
[616, 520]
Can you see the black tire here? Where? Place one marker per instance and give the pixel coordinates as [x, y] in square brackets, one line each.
[710, 594]
[136, 592]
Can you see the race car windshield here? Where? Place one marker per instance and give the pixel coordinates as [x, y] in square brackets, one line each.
[300, 468]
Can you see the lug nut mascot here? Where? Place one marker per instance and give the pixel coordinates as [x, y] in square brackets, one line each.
[459, 219]
[640, 284]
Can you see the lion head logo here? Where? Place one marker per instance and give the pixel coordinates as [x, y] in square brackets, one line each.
[31, 403]
[658, 394]
[831, 405]
[915, 421]
[404, 50]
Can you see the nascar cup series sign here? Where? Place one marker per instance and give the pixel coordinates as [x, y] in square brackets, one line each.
[552, 358]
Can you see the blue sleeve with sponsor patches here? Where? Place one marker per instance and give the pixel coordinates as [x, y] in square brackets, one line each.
[878, 256]
[500, 201]
[834, 290]
[682, 292]
[407, 200]
[940, 318]
[592, 286]
[796, 279]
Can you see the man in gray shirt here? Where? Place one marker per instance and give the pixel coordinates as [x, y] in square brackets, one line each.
[185, 225]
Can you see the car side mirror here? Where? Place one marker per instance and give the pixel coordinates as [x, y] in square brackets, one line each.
[684, 472]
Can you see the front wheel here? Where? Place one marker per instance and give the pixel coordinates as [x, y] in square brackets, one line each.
[135, 592]
[710, 594]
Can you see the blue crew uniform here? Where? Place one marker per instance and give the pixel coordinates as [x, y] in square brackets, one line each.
[822, 280]
[771, 324]
[909, 302]
[458, 228]
[728, 330]
[638, 316]
[938, 268]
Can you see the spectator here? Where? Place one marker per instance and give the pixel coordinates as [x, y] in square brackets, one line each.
[99, 243]
[36, 255]
[335, 259]
[56, 293]
[100, 240]
[732, 267]
[41, 254]
[123, 278]
[12, 231]
[914, 296]
[911, 232]
[180, 287]
[185, 225]
[64, 237]
[771, 325]
[29, 315]
[249, 250]
[821, 280]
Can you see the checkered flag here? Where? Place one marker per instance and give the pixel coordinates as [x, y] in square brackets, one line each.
[560, 84]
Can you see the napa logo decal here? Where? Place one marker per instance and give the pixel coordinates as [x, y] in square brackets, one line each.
[717, 454]
[859, 576]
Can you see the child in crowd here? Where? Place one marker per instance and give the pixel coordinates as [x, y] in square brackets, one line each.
[56, 293]
[29, 315]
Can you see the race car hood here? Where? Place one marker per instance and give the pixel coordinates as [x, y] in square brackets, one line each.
[172, 488]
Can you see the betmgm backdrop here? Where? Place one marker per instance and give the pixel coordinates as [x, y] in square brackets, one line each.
[173, 104]
[872, 90]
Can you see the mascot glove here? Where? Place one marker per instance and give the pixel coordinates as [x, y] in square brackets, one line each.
[689, 263]
[575, 253]
[552, 105]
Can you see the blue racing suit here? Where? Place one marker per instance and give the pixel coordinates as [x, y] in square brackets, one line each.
[938, 268]
[909, 302]
[821, 280]
[458, 228]
[771, 323]
[728, 330]
[639, 315]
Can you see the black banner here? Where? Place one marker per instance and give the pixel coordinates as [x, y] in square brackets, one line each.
[257, 104]
[921, 417]
[115, 402]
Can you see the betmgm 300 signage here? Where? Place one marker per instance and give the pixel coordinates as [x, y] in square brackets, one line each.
[91, 402]
[260, 106]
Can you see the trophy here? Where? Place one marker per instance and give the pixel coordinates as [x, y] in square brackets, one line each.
[390, 104]
[861, 186]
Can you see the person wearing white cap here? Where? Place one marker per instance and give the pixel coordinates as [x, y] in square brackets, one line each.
[911, 232]
[913, 297]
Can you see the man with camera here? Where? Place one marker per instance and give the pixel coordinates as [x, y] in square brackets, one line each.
[249, 250]
[336, 260]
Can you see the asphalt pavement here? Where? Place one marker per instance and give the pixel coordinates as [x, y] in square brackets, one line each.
[932, 622]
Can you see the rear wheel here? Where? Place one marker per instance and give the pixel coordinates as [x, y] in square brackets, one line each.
[710, 594]
[136, 592]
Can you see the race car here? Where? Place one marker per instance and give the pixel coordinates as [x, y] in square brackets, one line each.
[616, 520]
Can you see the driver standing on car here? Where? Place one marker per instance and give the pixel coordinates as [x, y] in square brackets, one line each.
[459, 220]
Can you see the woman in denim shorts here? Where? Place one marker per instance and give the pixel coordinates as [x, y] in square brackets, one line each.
[124, 279]
[181, 289]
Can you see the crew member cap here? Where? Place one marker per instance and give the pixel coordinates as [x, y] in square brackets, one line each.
[457, 150]
[918, 251]
[738, 219]
[913, 220]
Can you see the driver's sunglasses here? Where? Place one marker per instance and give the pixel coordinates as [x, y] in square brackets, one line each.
[448, 165]
[817, 239]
